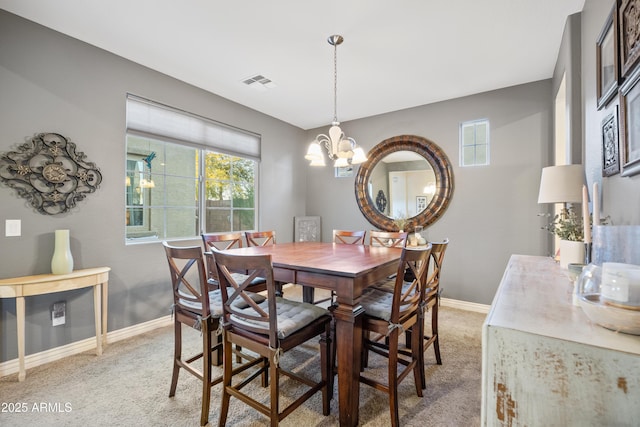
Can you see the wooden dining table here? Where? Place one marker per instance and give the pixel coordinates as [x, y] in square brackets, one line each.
[348, 270]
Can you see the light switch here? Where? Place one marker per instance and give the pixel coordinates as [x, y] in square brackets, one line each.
[12, 227]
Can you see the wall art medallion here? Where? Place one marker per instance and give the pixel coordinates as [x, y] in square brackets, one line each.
[49, 173]
[610, 144]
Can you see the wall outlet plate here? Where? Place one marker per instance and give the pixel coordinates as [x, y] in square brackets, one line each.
[58, 313]
[12, 228]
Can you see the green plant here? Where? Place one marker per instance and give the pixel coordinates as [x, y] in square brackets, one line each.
[568, 225]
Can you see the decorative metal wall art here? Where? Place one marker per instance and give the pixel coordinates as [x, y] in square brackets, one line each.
[49, 173]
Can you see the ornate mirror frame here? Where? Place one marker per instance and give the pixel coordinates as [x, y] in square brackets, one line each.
[441, 167]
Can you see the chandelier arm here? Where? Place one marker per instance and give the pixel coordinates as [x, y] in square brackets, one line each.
[324, 140]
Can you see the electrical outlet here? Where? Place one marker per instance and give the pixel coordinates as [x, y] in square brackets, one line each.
[58, 313]
[12, 227]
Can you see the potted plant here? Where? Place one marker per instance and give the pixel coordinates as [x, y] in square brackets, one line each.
[568, 226]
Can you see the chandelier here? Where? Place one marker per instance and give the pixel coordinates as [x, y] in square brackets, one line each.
[342, 150]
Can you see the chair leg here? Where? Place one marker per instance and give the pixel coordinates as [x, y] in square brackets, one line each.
[177, 353]
[393, 377]
[417, 356]
[206, 375]
[226, 381]
[326, 368]
[365, 352]
[434, 331]
[275, 380]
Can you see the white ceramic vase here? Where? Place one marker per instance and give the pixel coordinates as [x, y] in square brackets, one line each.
[62, 260]
[571, 252]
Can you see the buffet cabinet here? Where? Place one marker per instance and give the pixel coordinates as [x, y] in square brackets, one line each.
[544, 363]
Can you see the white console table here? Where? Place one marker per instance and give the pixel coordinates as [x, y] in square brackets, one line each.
[21, 287]
[545, 364]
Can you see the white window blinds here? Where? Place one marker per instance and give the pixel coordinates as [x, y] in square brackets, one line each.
[150, 119]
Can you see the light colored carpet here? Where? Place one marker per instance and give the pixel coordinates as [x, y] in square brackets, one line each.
[129, 385]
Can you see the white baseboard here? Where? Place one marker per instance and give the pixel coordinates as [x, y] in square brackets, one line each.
[32, 360]
[465, 305]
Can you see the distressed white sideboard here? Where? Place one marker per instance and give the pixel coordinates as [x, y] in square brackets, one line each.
[545, 364]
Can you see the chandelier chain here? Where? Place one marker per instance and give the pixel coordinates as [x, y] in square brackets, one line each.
[335, 82]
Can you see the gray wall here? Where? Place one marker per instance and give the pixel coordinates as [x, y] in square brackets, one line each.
[494, 209]
[53, 83]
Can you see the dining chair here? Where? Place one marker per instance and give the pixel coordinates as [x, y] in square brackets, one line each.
[390, 239]
[386, 315]
[224, 241]
[260, 238]
[349, 237]
[198, 306]
[431, 300]
[269, 329]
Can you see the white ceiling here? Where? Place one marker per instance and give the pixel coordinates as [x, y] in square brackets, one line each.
[396, 55]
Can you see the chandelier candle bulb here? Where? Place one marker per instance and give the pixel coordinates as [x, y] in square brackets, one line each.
[596, 204]
[585, 214]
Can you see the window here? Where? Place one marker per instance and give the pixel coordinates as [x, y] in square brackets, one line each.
[186, 174]
[474, 143]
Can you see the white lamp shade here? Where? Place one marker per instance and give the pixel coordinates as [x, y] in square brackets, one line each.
[561, 184]
[314, 152]
[341, 162]
[318, 162]
[358, 156]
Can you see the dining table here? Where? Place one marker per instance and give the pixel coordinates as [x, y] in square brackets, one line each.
[347, 270]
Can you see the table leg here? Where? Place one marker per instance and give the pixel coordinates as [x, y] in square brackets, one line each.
[105, 311]
[97, 314]
[349, 348]
[20, 312]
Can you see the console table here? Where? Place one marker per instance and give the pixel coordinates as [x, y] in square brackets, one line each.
[21, 287]
[545, 363]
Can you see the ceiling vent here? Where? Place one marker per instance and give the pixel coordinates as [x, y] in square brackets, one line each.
[259, 82]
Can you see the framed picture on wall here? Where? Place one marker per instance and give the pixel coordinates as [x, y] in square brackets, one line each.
[630, 124]
[421, 203]
[610, 144]
[307, 229]
[607, 72]
[628, 24]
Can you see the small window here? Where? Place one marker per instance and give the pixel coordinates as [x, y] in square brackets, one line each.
[474, 143]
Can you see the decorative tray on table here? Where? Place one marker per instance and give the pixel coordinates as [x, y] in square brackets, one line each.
[617, 319]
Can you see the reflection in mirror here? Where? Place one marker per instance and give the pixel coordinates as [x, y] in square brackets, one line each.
[405, 180]
[406, 177]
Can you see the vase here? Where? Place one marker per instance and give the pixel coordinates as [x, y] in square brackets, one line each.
[571, 253]
[62, 260]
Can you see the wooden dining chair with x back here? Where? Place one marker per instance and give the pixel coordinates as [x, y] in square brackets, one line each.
[390, 239]
[386, 315]
[260, 238]
[270, 329]
[223, 241]
[349, 237]
[431, 301]
[197, 305]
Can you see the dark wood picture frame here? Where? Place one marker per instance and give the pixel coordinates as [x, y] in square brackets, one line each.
[607, 59]
[628, 23]
[630, 124]
[610, 144]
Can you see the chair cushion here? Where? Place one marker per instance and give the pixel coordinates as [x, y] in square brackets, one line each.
[215, 301]
[292, 316]
[377, 303]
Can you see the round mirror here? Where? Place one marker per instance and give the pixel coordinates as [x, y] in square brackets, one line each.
[406, 177]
